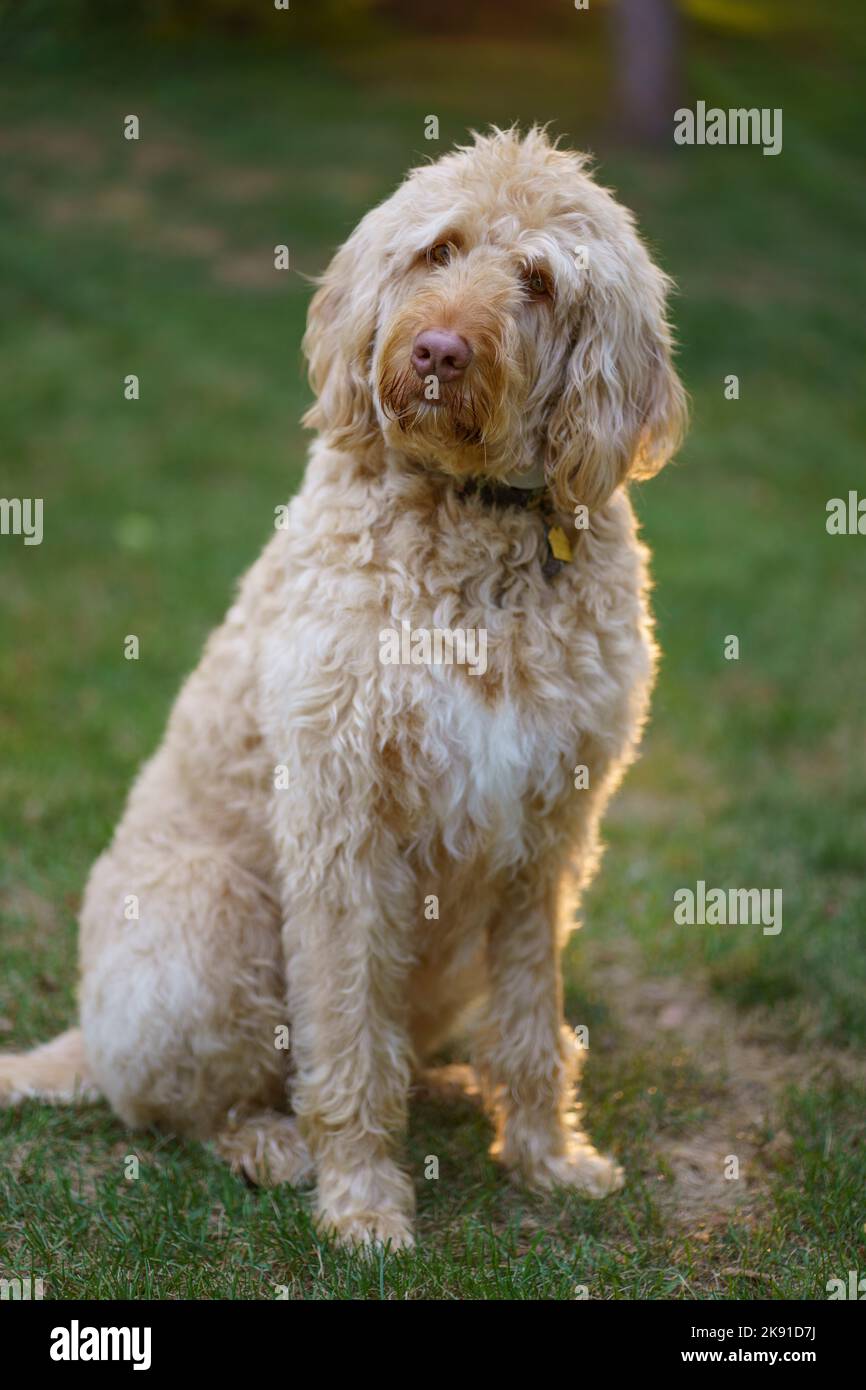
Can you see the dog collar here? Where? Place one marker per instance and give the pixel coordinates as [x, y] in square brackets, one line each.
[526, 496]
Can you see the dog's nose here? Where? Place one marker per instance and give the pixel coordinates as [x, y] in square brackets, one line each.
[439, 352]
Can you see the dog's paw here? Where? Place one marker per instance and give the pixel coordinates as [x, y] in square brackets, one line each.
[581, 1168]
[266, 1148]
[368, 1232]
[365, 1208]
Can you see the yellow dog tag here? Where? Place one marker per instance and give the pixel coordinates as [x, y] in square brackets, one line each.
[559, 544]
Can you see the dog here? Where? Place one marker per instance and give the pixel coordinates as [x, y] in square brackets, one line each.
[335, 863]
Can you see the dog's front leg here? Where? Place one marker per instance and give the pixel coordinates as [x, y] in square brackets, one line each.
[347, 956]
[527, 1057]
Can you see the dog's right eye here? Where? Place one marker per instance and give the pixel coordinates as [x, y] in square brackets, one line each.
[440, 254]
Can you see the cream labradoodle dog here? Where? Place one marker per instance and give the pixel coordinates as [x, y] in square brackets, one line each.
[375, 853]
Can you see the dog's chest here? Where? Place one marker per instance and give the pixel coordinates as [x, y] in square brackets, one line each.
[495, 666]
[497, 765]
[497, 755]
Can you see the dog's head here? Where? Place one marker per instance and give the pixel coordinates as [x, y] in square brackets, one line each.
[498, 312]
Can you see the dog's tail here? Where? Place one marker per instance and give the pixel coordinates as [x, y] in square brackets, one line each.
[56, 1072]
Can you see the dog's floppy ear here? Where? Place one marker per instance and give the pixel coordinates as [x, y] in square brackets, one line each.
[338, 343]
[622, 412]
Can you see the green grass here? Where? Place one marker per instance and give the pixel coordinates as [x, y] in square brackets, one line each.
[154, 259]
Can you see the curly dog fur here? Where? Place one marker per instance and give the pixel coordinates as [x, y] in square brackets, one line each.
[308, 802]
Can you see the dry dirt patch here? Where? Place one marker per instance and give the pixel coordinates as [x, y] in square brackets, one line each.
[747, 1068]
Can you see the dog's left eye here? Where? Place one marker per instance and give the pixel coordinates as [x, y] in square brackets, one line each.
[440, 254]
[536, 283]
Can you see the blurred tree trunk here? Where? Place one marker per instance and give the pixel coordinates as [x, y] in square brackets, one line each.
[646, 36]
